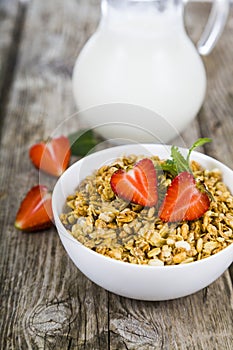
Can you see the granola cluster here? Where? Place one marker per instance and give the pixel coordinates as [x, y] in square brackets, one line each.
[134, 234]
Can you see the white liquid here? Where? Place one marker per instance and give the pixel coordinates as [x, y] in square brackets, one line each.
[146, 61]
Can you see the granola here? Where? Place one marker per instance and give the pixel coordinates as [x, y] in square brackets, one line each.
[135, 234]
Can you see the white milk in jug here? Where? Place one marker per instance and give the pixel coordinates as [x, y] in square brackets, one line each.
[143, 58]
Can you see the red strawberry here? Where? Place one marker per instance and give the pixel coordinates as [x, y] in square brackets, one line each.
[183, 200]
[138, 185]
[35, 212]
[53, 156]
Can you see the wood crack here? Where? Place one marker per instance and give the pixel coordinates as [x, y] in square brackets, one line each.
[11, 61]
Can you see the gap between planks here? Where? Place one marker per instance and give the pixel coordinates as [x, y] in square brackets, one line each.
[10, 61]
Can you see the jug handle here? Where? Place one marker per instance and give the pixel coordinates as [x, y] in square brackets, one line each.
[214, 26]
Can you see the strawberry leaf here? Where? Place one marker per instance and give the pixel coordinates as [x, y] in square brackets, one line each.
[82, 142]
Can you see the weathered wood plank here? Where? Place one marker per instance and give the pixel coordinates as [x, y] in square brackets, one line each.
[193, 322]
[45, 301]
[215, 119]
[12, 15]
[8, 15]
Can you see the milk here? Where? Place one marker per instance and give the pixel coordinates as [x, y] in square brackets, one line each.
[143, 59]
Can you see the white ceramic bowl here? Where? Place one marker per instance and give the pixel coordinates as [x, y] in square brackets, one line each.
[131, 280]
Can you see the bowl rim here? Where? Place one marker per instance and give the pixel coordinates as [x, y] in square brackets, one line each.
[62, 230]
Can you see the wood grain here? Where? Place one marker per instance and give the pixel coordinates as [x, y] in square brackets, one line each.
[192, 322]
[12, 16]
[45, 302]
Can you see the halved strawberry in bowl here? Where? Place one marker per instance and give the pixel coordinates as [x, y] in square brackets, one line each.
[52, 156]
[138, 185]
[35, 212]
[183, 200]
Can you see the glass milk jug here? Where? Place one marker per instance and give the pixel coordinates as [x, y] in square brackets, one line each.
[141, 55]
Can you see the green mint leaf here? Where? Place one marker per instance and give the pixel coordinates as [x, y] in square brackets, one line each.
[177, 164]
[200, 142]
[181, 163]
[82, 142]
[169, 166]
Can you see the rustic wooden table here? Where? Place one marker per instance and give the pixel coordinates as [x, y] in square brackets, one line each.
[45, 302]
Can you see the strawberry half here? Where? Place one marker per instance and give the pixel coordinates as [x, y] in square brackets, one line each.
[53, 156]
[183, 200]
[138, 185]
[35, 212]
